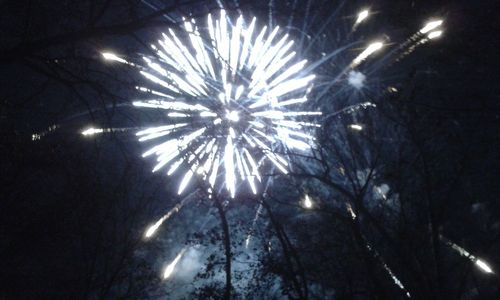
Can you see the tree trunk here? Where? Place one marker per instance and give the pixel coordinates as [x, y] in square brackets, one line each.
[227, 247]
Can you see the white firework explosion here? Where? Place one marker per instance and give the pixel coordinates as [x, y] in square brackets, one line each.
[227, 94]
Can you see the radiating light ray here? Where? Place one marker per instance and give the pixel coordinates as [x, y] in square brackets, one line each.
[170, 105]
[290, 102]
[226, 83]
[229, 166]
[296, 125]
[276, 163]
[249, 175]
[255, 170]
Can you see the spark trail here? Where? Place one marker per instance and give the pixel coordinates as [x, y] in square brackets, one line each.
[481, 264]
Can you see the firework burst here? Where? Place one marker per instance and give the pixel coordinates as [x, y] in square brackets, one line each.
[228, 95]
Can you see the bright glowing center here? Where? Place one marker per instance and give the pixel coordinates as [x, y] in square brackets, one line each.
[233, 116]
[307, 202]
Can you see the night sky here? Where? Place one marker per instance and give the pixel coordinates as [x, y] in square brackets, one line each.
[406, 206]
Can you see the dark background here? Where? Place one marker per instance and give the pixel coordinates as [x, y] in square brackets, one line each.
[73, 210]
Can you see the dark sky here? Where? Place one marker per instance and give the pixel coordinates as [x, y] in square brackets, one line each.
[72, 209]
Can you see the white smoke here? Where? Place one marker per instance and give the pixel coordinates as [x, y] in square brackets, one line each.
[356, 79]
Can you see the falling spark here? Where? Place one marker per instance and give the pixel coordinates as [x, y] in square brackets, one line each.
[481, 264]
[373, 47]
[254, 222]
[377, 255]
[92, 131]
[171, 266]
[430, 26]
[362, 16]
[153, 228]
[234, 88]
[351, 211]
[307, 202]
[434, 34]
[484, 266]
[356, 127]
[113, 57]
[38, 136]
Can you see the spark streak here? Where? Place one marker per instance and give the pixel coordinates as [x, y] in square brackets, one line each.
[481, 264]
[372, 48]
[430, 26]
[356, 127]
[92, 131]
[434, 34]
[376, 255]
[153, 228]
[169, 270]
[362, 16]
